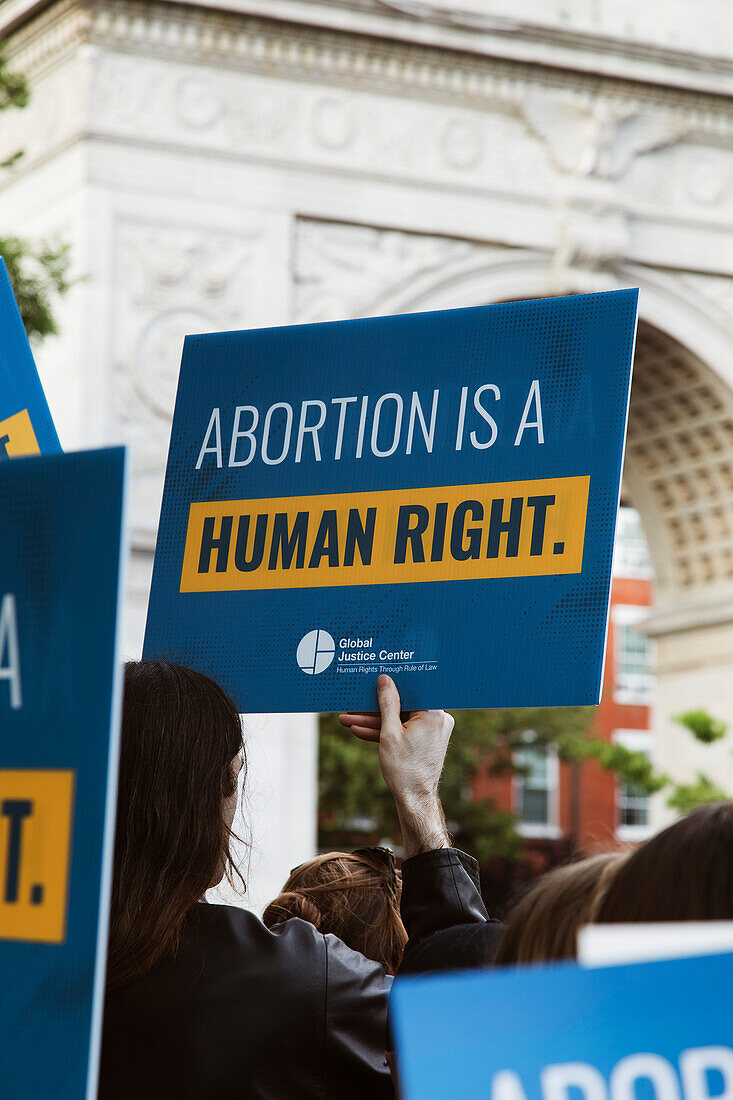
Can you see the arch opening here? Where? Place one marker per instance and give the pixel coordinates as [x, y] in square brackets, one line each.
[679, 467]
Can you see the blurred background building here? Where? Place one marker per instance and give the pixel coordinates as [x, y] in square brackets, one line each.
[240, 163]
[564, 808]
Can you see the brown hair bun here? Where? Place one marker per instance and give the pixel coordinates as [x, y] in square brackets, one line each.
[352, 895]
[292, 904]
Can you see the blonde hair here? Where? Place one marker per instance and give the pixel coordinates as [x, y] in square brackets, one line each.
[543, 925]
[355, 896]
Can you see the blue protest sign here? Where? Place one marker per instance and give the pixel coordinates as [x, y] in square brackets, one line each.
[26, 427]
[651, 1031]
[60, 561]
[430, 495]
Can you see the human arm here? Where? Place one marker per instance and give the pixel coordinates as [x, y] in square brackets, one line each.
[411, 756]
[440, 888]
[440, 883]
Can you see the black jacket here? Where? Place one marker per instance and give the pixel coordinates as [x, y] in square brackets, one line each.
[244, 1011]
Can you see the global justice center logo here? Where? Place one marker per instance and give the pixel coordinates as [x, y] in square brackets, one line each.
[315, 652]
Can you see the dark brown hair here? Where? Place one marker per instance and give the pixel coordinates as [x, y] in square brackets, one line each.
[683, 873]
[354, 896]
[544, 923]
[180, 735]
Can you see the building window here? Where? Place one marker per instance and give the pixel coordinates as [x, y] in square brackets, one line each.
[633, 681]
[631, 551]
[536, 790]
[632, 801]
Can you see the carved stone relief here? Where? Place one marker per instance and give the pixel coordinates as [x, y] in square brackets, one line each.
[197, 102]
[462, 143]
[592, 142]
[342, 128]
[348, 270]
[332, 122]
[173, 281]
[121, 88]
[590, 135]
[717, 289]
[708, 176]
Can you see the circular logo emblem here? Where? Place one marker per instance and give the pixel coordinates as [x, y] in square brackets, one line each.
[315, 652]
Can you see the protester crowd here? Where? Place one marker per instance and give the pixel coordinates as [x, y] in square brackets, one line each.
[206, 1000]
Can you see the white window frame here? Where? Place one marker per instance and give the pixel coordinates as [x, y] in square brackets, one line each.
[534, 830]
[626, 562]
[634, 741]
[638, 690]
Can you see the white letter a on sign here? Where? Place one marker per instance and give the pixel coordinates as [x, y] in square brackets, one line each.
[507, 1086]
[533, 398]
[208, 448]
[10, 650]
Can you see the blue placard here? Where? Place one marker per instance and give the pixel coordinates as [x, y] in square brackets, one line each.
[60, 560]
[430, 495]
[651, 1031]
[26, 426]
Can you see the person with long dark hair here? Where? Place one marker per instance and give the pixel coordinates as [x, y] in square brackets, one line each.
[204, 1000]
[543, 924]
[180, 757]
[683, 873]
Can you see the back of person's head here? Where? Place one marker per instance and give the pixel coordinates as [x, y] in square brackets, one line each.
[355, 896]
[684, 872]
[543, 925]
[181, 740]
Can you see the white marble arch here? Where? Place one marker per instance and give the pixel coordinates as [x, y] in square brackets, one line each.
[692, 623]
[158, 129]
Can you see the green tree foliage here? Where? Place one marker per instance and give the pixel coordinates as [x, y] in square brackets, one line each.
[630, 767]
[38, 272]
[13, 93]
[38, 275]
[354, 800]
[353, 797]
[635, 768]
[686, 797]
[702, 726]
[706, 729]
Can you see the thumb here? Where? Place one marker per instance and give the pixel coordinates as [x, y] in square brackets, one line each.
[389, 702]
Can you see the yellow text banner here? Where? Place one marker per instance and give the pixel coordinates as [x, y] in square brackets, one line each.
[17, 437]
[36, 812]
[445, 533]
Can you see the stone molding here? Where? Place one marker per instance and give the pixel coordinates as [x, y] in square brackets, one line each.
[236, 85]
[255, 44]
[556, 40]
[57, 30]
[565, 137]
[700, 615]
[268, 92]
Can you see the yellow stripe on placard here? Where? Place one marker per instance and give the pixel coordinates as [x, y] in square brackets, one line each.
[36, 813]
[457, 532]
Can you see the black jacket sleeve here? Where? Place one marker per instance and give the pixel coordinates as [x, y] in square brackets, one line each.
[355, 1025]
[439, 889]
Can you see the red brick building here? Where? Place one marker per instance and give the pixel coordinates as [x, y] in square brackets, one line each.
[564, 809]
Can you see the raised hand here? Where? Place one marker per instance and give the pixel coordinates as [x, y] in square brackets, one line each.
[412, 750]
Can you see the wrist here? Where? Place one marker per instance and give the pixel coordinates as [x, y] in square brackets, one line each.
[416, 800]
[422, 823]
